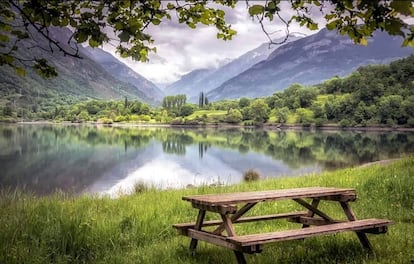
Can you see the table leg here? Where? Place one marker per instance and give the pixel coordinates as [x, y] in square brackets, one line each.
[351, 217]
[199, 223]
[236, 216]
[228, 226]
[240, 257]
[315, 203]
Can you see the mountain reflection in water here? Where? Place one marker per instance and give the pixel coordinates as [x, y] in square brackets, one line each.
[111, 160]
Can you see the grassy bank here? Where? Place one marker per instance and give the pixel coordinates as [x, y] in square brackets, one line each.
[137, 229]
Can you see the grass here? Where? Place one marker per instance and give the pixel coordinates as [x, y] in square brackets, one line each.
[208, 113]
[137, 228]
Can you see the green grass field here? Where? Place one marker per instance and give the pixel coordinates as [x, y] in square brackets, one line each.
[138, 228]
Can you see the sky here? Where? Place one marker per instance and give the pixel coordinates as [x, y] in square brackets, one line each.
[181, 49]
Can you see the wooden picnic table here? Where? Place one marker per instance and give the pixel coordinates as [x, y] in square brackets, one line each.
[313, 220]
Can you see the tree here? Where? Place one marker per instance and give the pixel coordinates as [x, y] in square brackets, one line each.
[304, 116]
[186, 110]
[202, 100]
[96, 22]
[282, 114]
[243, 102]
[259, 110]
[234, 116]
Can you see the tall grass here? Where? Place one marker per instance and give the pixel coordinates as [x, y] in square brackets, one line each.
[137, 228]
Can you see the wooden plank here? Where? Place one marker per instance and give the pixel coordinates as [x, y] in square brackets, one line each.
[221, 209]
[311, 221]
[314, 210]
[213, 239]
[241, 220]
[358, 225]
[228, 225]
[323, 193]
[222, 241]
[315, 204]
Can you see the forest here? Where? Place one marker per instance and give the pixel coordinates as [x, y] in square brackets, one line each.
[372, 95]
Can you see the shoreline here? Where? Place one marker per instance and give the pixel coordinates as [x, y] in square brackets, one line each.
[280, 127]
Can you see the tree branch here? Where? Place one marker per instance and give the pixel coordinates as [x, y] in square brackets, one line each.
[45, 35]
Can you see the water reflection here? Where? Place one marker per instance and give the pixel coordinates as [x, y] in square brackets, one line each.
[44, 158]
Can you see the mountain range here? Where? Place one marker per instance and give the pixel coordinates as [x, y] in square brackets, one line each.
[123, 73]
[310, 60]
[259, 72]
[205, 80]
[78, 79]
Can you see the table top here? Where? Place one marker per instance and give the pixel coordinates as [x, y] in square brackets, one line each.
[257, 196]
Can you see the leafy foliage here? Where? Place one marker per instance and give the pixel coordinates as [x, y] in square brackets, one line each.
[129, 22]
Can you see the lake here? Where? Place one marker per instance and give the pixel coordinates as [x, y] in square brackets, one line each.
[44, 158]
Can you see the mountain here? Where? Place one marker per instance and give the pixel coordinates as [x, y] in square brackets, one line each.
[189, 84]
[205, 80]
[78, 79]
[123, 73]
[310, 60]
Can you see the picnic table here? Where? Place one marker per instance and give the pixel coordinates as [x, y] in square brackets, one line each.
[313, 220]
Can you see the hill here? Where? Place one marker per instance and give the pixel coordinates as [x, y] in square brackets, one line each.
[78, 79]
[205, 80]
[310, 60]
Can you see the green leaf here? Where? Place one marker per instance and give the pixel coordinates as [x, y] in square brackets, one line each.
[330, 16]
[170, 6]
[93, 43]
[124, 36]
[408, 42]
[332, 25]
[80, 36]
[256, 10]
[64, 22]
[4, 38]
[402, 7]
[20, 71]
[191, 25]
[312, 26]
[156, 22]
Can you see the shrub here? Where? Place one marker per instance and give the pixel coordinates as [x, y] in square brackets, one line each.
[105, 120]
[251, 175]
[140, 187]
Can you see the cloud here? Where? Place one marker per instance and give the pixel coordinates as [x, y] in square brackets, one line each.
[181, 49]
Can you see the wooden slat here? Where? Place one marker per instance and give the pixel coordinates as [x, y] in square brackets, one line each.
[313, 209]
[358, 225]
[242, 220]
[213, 239]
[326, 193]
[221, 209]
[222, 241]
[311, 221]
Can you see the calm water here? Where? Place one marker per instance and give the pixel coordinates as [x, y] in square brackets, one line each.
[78, 159]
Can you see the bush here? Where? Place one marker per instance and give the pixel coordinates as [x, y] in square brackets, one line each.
[120, 119]
[140, 187]
[251, 175]
[145, 118]
[105, 120]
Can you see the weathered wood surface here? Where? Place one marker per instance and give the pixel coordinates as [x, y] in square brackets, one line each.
[264, 238]
[246, 219]
[323, 193]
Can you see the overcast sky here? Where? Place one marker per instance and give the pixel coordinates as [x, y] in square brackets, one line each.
[181, 49]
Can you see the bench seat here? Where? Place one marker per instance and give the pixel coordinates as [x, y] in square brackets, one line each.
[376, 226]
